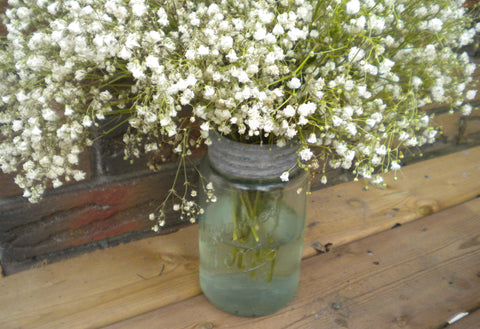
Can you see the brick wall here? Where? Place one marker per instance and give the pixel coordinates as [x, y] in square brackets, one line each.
[112, 205]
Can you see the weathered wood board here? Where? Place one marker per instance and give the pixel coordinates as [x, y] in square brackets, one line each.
[107, 286]
[345, 212]
[414, 276]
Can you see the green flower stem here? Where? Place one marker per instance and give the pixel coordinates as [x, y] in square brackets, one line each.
[246, 207]
[250, 213]
[300, 67]
[272, 266]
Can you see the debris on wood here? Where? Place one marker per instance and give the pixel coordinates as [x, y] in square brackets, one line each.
[320, 248]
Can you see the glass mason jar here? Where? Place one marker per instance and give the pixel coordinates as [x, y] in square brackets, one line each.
[251, 231]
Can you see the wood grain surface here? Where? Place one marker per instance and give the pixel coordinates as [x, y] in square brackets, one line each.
[416, 275]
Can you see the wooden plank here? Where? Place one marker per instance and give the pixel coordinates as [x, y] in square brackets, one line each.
[101, 287]
[457, 129]
[416, 276]
[104, 286]
[471, 321]
[345, 212]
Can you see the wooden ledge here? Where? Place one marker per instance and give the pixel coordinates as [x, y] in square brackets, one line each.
[415, 276]
[407, 256]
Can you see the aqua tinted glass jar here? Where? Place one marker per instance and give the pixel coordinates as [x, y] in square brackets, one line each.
[252, 227]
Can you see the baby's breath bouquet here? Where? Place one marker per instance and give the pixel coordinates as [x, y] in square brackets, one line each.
[343, 78]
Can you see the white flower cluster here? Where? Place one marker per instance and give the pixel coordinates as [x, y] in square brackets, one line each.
[346, 77]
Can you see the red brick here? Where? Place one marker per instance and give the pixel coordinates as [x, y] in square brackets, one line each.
[81, 214]
[9, 188]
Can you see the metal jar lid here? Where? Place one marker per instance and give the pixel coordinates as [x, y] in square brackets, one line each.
[251, 161]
